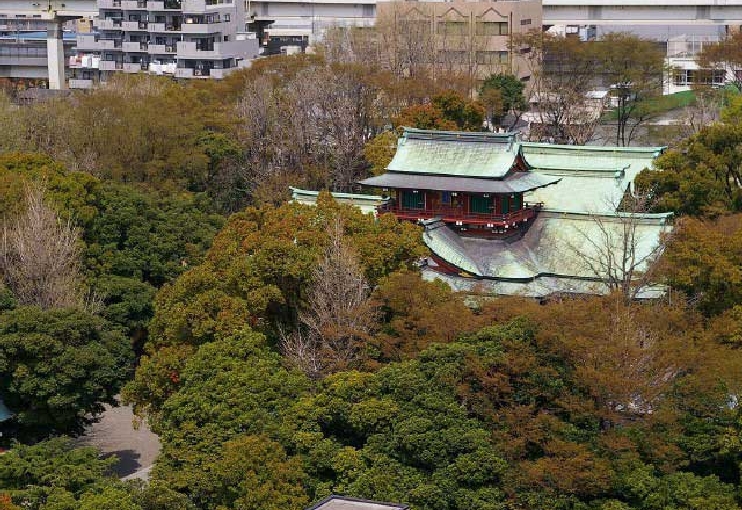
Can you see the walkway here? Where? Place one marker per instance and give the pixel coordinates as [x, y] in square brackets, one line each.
[115, 435]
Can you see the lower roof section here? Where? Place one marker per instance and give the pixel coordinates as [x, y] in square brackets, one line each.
[519, 182]
[366, 203]
[586, 249]
[345, 503]
[539, 288]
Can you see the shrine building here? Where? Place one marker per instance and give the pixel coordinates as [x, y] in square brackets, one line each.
[502, 216]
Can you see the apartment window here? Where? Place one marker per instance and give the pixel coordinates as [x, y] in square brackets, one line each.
[699, 77]
[455, 28]
[227, 18]
[526, 21]
[368, 11]
[489, 29]
[414, 26]
[453, 57]
[492, 57]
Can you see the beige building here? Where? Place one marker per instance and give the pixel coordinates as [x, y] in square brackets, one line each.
[472, 37]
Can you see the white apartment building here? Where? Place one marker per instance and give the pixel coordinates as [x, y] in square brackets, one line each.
[684, 72]
[182, 38]
[286, 24]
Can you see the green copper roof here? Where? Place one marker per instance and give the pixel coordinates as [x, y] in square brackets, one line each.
[594, 179]
[556, 245]
[366, 203]
[516, 182]
[481, 155]
[539, 288]
[297, 192]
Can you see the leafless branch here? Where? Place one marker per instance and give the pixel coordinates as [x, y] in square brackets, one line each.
[41, 257]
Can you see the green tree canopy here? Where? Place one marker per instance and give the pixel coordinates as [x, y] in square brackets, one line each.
[58, 368]
[231, 387]
[260, 264]
[447, 111]
[510, 90]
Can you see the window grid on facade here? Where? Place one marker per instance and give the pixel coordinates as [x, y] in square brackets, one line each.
[699, 77]
[455, 28]
[492, 57]
[453, 57]
[489, 28]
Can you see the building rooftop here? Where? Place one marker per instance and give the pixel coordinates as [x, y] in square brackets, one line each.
[366, 203]
[345, 503]
[558, 245]
[518, 182]
[462, 154]
[593, 179]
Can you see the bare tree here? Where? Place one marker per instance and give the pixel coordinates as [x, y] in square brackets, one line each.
[704, 111]
[338, 318]
[41, 257]
[726, 54]
[562, 74]
[635, 69]
[616, 248]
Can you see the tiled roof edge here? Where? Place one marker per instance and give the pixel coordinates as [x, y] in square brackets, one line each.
[317, 505]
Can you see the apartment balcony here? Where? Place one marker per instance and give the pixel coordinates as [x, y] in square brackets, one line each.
[170, 5]
[222, 73]
[185, 72]
[87, 43]
[109, 44]
[162, 28]
[134, 67]
[161, 49]
[201, 6]
[110, 65]
[221, 50]
[202, 28]
[133, 5]
[134, 26]
[109, 24]
[187, 49]
[80, 84]
[134, 46]
[109, 4]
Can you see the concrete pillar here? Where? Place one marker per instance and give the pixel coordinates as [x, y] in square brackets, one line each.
[55, 55]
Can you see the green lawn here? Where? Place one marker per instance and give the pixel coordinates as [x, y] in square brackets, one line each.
[662, 104]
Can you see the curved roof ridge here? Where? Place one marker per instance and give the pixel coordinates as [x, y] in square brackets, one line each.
[594, 148]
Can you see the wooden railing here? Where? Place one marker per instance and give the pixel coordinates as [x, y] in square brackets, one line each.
[452, 214]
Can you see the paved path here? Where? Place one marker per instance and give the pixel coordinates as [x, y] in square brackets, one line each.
[115, 435]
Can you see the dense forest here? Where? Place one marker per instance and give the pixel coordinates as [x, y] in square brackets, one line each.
[285, 352]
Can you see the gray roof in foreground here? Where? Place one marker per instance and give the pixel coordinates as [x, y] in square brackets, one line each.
[542, 287]
[345, 503]
[556, 245]
[518, 182]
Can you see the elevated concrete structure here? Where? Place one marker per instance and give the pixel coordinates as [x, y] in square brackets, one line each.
[311, 16]
[55, 55]
[48, 9]
[642, 12]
